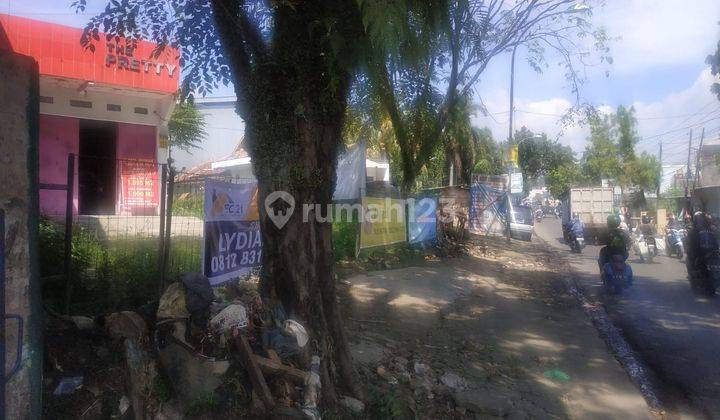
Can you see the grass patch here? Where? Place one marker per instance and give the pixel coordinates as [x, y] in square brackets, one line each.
[107, 274]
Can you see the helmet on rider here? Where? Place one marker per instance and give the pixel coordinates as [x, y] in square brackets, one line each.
[576, 216]
[613, 221]
[646, 220]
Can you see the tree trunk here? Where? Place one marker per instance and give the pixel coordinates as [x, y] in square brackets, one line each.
[292, 96]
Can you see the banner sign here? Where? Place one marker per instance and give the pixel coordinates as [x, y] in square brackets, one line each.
[422, 223]
[350, 175]
[487, 204]
[516, 183]
[139, 184]
[232, 239]
[383, 222]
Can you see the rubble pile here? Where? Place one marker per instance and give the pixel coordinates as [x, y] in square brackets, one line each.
[198, 351]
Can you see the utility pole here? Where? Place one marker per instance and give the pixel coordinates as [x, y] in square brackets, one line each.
[688, 174]
[508, 212]
[512, 97]
[697, 159]
[657, 193]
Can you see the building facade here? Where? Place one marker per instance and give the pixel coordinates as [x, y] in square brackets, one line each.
[108, 106]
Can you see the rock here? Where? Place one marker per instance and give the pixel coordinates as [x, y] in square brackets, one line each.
[454, 381]
[421, 369]
[83, 322]
[367, 352]
[383, 373]
[126, 324]
[172, 302]
[491, 402]
[142, 369]
[123, 405]
[354, 405]
[190, 375]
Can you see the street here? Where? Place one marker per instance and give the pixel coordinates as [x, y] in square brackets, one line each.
[675, 332]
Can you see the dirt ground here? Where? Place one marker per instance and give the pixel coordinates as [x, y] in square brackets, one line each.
[493, 333]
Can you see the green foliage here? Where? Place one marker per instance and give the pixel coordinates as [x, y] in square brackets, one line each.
[202, 404]
[190, 206]
[713, 60]
[488, 154]
[560, 179]
[186, 126]
[538, 156]
[344, 234]
[611, 152]
[108, 273]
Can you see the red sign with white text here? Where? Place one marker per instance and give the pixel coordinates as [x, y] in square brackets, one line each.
[58, 52]
[139, 181]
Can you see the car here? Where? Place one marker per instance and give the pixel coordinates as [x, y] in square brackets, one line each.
[522, 223]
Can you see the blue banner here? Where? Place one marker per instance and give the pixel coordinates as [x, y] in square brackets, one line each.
[231, 249]
[422, 223]
[232, 239]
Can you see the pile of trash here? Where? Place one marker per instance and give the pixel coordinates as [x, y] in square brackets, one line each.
[211, 346]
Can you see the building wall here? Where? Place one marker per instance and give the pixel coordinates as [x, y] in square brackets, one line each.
[19, 200]
[59, 136]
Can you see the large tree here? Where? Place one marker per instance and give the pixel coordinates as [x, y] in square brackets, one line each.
[538, 156]
[465, 38]
[611, 152]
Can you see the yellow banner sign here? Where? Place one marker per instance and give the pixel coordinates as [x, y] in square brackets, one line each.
[383, 222]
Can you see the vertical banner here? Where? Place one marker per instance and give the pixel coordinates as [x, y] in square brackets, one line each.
[232, 240]
[422, 223]
[139, 186]
[487, 204]
[383, 222]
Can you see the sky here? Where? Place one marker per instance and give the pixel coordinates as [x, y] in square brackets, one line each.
[658, 67]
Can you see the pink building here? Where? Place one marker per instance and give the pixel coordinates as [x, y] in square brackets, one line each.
[108, 107]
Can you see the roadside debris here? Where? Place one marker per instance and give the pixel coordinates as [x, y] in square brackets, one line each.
[223, 345]
[68, 385]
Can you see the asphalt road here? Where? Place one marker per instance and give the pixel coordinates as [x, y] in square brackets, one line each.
[673, 330]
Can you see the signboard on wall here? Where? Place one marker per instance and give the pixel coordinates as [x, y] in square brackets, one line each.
[487, 204]
[139, 186]
[383, 222]
[232, 239]
[516, 182]
[422, 223]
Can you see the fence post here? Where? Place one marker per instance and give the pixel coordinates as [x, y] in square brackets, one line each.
[168, 226]
[161, 249]
[67, 268]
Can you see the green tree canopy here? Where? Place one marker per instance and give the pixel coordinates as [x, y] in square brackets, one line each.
[186, 126]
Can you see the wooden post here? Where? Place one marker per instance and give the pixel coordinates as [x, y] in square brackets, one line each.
[253, 370]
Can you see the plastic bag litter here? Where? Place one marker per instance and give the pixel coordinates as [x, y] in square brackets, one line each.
[556, 375]
[233, 316]
[172, 302]
[68, 385]
[295, 329]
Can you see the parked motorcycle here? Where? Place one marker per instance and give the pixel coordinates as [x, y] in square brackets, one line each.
[706, 277]
[675, 242]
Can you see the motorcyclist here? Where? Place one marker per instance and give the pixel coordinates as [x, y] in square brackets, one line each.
[674, 223]
[700, 242]
[646, 227]
[577, 227]
[618, 242]
[616, 273]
